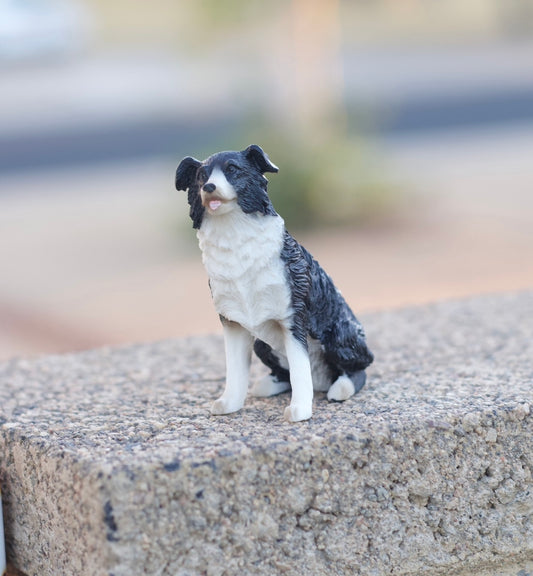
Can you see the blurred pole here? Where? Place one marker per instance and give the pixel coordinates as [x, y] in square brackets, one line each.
[316, 80]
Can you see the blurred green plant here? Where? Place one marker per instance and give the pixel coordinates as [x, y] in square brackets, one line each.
[327, 183]
[230, 13]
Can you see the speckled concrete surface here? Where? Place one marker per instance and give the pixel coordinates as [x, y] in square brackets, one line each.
[112, 465]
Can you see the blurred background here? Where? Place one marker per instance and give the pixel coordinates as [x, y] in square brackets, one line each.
[403, 130]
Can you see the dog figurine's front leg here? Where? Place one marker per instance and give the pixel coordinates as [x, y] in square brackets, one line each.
[238, 342]
[301, 406]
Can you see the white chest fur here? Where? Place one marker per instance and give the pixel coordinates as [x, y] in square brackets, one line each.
[241, 253]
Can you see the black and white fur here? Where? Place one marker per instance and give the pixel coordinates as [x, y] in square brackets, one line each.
[268, 290]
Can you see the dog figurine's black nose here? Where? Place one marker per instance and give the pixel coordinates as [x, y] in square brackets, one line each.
[209, 187]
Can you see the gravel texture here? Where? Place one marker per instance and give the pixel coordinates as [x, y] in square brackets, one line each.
[112, 465]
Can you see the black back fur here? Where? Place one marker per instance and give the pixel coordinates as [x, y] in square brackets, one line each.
[321, 312]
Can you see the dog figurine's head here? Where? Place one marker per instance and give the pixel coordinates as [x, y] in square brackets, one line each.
[226, 181]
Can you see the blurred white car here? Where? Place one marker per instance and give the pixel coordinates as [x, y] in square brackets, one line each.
[42, 28]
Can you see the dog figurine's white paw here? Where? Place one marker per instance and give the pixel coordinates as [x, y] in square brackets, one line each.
[225, 406]
[298, 412]
[341, 389]
[269, 386]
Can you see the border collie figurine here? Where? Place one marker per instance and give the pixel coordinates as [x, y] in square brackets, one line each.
[268, 290]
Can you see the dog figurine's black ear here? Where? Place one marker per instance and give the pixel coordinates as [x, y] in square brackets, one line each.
[186, 173]
[256, 155]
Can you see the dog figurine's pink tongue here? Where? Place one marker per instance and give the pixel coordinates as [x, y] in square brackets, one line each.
[269, 292]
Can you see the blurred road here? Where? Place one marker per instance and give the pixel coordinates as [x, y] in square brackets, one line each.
[89, 249]
[120, 108]
[409, 91]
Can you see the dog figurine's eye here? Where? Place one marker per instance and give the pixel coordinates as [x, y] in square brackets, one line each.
[232, 169]
[202, 175]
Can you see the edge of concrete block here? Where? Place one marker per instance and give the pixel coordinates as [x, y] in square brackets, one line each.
[428, 470]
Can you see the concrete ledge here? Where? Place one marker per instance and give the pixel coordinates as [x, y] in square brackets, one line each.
[112, 465]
